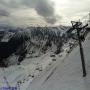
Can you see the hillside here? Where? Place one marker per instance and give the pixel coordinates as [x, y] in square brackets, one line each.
[32, 54]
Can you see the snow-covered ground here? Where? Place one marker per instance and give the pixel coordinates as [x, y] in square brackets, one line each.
[49, 72]
[67, 75]
[22, 75]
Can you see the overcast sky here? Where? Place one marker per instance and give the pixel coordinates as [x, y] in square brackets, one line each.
[42, 12]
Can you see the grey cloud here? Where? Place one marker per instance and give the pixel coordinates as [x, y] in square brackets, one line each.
[44, 8]
[4, 12]
[51, 20]
[11, 3]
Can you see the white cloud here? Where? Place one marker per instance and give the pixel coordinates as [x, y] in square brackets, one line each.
[71, 9]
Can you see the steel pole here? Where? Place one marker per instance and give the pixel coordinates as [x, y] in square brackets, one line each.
[81, 53]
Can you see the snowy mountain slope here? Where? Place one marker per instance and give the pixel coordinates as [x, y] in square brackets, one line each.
[30, 42]
[37, 47]
[68, 74]
[34, 50]
[31, 71]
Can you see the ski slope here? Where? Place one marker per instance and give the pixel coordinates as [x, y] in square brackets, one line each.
[67, 75]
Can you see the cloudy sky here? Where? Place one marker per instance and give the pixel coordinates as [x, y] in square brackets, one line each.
[42, 12]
